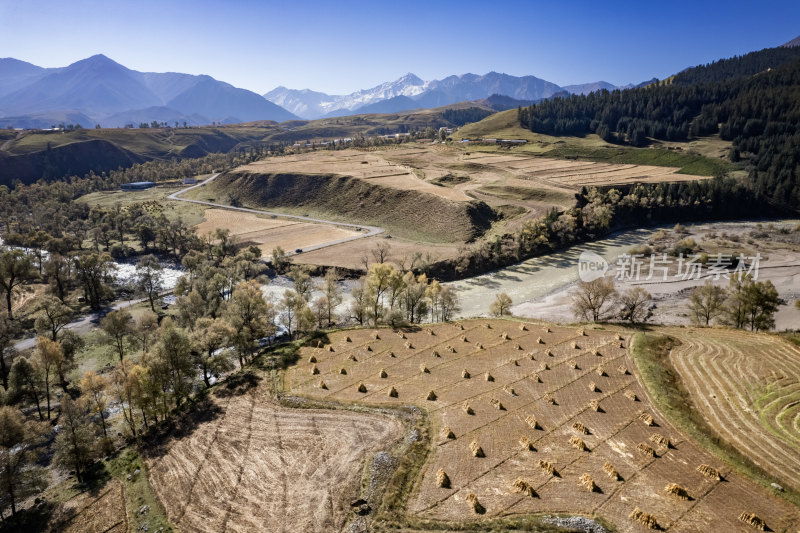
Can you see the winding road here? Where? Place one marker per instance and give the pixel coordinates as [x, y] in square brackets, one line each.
[365, 231]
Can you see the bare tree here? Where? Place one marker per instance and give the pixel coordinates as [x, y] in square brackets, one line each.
[635, 305]
[381, 252]
[594, 300]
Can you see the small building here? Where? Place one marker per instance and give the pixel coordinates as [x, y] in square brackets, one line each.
[137, 185]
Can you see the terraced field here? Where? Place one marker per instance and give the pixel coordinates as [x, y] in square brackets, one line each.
[747, 387]
[531, 418]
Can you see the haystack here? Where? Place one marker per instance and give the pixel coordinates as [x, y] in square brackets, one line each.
[531, 421]
[409, 345]
[312, 359]
[548, 398]
[478, 346]
[580, 428]
[352, 357]
[464, 338]
[548, 468]
[588, 483]
[362, 388]
[574, 365]
[424, 369]
[676, 491]
[629, 394]
[577, 443]
[504, 336]
[448, 433]
[594, 405]
[488, 325]
[513, 362]
[539, 340]
[451, 349]
[488, 377]
[543, 367]
[646, 450]
[460, 326]
[549, 353]
[547, 330]
[609, 469]
[343, 371]
[392, 392]
[660, 440]
[523, 327]
[710, 472]
[536, 378]
[392, 355]
[523, 487]
[369, 348]
[647, 419]
[575, 345]
[322, 385]
[596, 353]
[314, 370]
[468, 409]
[517, 346]
[330, 347]
[526, 444]
[623, 370]
[496, 404]
[593, 386]
[436, 354]
[383, 374]
[376, 336]
[431, 397]
[465, 374]
[442, 479]
[600, 371]
[582, 332]
[508, 389]
[431, 333]
[645, 519]
[752, 520]
[348, 339]
[476, 505]
[476, 450]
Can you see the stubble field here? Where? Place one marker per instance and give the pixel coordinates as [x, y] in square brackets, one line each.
[562, 423]
[261, 467]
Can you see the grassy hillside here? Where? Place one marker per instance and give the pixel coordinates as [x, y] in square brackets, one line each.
[703, 157]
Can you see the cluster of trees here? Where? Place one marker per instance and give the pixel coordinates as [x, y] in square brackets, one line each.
[744, 304]
[599, 300]
[753, 101]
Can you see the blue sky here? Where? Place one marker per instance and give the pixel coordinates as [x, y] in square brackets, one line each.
[339, 46]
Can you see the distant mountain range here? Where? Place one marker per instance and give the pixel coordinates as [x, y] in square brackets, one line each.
[411, 92]
[98, 90]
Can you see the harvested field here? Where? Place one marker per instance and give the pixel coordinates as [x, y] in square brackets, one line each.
[747, 387]
[267, 233]
[261, 467]
[623, 478]
[99, 513]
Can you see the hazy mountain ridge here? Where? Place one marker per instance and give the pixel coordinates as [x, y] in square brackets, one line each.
[105, 91]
